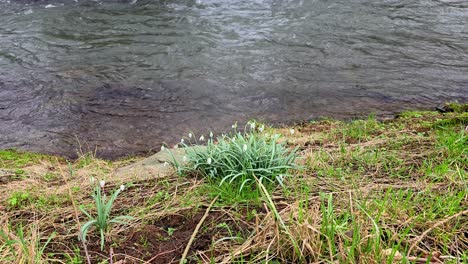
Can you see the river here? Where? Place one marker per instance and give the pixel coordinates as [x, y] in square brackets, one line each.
[122, 77]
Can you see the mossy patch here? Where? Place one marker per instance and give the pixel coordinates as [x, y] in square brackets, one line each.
[16, 159]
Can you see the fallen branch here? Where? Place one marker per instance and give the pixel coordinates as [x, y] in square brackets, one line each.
[195, 232]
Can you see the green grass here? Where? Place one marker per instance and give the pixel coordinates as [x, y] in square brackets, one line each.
[15, 159]
[23, 245]
[20, 200]
[367, 191]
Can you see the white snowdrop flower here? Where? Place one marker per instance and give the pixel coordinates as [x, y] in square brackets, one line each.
[234, 139]
[234, 126]
[190, 135]
[211, 134]
[176, 146]
[165, 163]
[184, 158]
[92, 180]
[122, 188]
[202, 138]
[244, 147]
[182, 141]
[102, 183]
[163, 148]
[208, 161]
[291, 131]
[252, 126]
[261, 128]
[280, 179]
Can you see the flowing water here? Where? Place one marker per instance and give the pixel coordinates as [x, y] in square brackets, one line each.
[123, 76]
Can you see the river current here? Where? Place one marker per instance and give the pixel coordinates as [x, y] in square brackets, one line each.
[122, 77]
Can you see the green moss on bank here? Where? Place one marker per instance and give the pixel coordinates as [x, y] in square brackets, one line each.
[16, 159]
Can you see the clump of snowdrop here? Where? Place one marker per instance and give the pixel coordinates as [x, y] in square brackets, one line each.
[239, 158]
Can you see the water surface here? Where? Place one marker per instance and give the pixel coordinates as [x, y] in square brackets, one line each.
[122, 77]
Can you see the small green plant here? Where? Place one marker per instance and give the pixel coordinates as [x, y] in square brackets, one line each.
[103, 207]
[23, 247]
[19, 199]
[239, 158]
[170, 231]
[49, 177]
[75, 257]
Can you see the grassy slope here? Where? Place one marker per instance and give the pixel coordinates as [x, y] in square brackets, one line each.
[368, 192]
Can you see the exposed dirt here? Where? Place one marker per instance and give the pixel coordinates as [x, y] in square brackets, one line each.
[164, 240]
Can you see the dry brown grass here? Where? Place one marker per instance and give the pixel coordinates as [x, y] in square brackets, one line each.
[392, 200]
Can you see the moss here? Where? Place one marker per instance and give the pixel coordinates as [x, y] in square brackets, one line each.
[458, 119]
[24, 199]
[456, 107]
[415, 114]
[15, 159]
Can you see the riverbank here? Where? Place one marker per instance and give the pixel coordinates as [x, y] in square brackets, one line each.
[366, 191]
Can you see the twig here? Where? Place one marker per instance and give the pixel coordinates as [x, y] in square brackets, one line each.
[192, 238]
[111, 255]
[159, 254]
[433, 227]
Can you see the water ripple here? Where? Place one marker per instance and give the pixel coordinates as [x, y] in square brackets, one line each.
[125, 76]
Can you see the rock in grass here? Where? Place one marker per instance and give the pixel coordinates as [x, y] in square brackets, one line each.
[155, 165]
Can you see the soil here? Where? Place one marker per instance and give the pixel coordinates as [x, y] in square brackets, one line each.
[164, 240]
